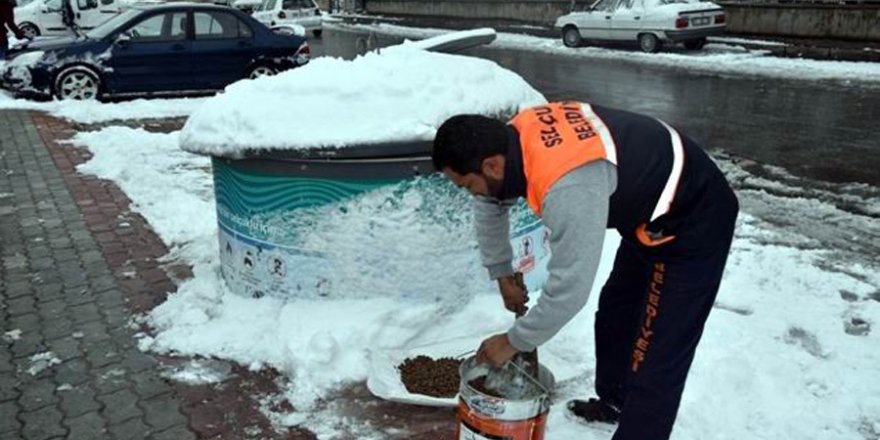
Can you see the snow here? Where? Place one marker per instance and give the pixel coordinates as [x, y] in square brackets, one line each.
[42, 361]
[12, 335]
[402, 94]
[749, 41]
[198, 372]
[714, 59]
[89, 112]
[774, 354]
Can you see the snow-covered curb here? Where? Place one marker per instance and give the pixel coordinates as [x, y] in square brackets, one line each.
[723, 59]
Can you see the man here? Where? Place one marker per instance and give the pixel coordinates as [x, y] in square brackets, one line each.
[583, 168]
[7, 20]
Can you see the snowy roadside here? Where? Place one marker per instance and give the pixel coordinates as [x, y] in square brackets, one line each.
[723, 58]
[90, 112]
[789, 338]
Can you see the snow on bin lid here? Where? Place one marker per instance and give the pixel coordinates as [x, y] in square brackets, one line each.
[402, 94]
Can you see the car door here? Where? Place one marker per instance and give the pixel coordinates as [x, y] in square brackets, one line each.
[627, 20]
[595, 23]
[50, 19]
[222, 48]
[152, 54]
[91, 13]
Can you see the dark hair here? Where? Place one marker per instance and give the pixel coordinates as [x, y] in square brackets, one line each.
[464, 141]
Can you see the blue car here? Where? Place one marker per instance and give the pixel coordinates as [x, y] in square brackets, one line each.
[154, 50]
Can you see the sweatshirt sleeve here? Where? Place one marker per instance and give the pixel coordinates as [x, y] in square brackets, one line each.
[576, 212]
[491, 219]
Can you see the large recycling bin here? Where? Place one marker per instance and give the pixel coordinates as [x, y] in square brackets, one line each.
[257, 259]
[288, 146]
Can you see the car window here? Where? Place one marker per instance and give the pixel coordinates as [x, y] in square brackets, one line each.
[627, 4]
[112, 24]
[107, 2]
[605, 5]
[219, 26]
[244, 31]
[53, 5]
[297, 4]
[170, 26]
[268, 5]
[84, 5]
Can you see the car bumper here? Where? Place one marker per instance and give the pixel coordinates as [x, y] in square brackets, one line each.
[21, 84]
[694, 34]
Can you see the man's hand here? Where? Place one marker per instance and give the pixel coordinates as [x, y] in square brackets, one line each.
[496, 351]
[514, 293]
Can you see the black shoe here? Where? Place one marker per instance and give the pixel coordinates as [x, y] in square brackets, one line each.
[594, 410]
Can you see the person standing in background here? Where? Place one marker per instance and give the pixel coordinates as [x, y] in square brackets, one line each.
[7, 21]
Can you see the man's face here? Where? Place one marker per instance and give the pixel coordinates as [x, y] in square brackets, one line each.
[474, 183]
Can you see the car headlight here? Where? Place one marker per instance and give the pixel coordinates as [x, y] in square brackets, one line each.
[27, 59]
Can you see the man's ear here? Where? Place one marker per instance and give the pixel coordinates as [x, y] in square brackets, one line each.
[493, 166]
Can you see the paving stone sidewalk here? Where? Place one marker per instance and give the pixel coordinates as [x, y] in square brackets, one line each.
[69, 368]
[75, 265]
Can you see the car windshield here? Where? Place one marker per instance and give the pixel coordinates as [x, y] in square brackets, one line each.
[266, 5]
[112, 24]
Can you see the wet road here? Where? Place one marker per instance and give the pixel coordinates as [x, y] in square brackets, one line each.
[818, 131]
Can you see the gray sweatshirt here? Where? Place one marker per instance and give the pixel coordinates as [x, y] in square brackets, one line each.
[576, 212]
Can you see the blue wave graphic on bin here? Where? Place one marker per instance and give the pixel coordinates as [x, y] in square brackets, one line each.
[242, 196]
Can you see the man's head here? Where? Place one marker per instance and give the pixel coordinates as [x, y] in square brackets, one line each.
[470, 150]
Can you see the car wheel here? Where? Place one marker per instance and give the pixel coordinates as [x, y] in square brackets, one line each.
[695, 44]
[261, 71]
[29, 30]
[78, 82]
[571, 37]
[317, 33]
[649, 43]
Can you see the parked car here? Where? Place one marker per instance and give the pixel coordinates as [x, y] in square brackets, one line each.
[650, 23]
[45, 17]
[301, 12]
[247, 6]
[152, 50]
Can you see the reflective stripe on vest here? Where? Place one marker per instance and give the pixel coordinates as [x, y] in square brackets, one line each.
[557, 138]
[664, 203]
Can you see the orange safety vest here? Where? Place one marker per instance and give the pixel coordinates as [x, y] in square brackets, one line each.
[557, 138]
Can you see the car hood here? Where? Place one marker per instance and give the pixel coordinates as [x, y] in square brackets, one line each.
[46, 44]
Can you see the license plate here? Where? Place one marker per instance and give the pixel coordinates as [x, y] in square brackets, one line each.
[700, 21]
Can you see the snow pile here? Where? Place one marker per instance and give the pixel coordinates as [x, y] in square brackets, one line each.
[162, 167]
[402, 94]
[779, 348]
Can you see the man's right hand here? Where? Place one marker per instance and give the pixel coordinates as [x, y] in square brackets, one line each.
[514, 293]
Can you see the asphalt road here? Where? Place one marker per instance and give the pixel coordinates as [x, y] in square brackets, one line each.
[823, 132]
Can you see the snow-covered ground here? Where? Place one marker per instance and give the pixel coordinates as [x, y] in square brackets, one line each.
[723, 56]
[89, 112]
[787, 353]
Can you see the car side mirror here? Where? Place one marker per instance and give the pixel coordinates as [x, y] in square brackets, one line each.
[122, 40]
[44, 9]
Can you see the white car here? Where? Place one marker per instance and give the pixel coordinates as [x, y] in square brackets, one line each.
[648, 22]
[45, 17]
[304, 13]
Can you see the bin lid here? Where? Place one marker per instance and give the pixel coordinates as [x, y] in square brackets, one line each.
[377, 105]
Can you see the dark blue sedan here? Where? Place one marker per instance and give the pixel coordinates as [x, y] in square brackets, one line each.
[154, 50]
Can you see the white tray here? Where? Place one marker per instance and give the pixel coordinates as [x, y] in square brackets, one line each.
[384, 377]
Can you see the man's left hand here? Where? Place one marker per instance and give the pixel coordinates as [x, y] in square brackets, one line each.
[496, 351]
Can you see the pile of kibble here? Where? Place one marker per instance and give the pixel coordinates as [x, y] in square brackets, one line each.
[431, 377]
